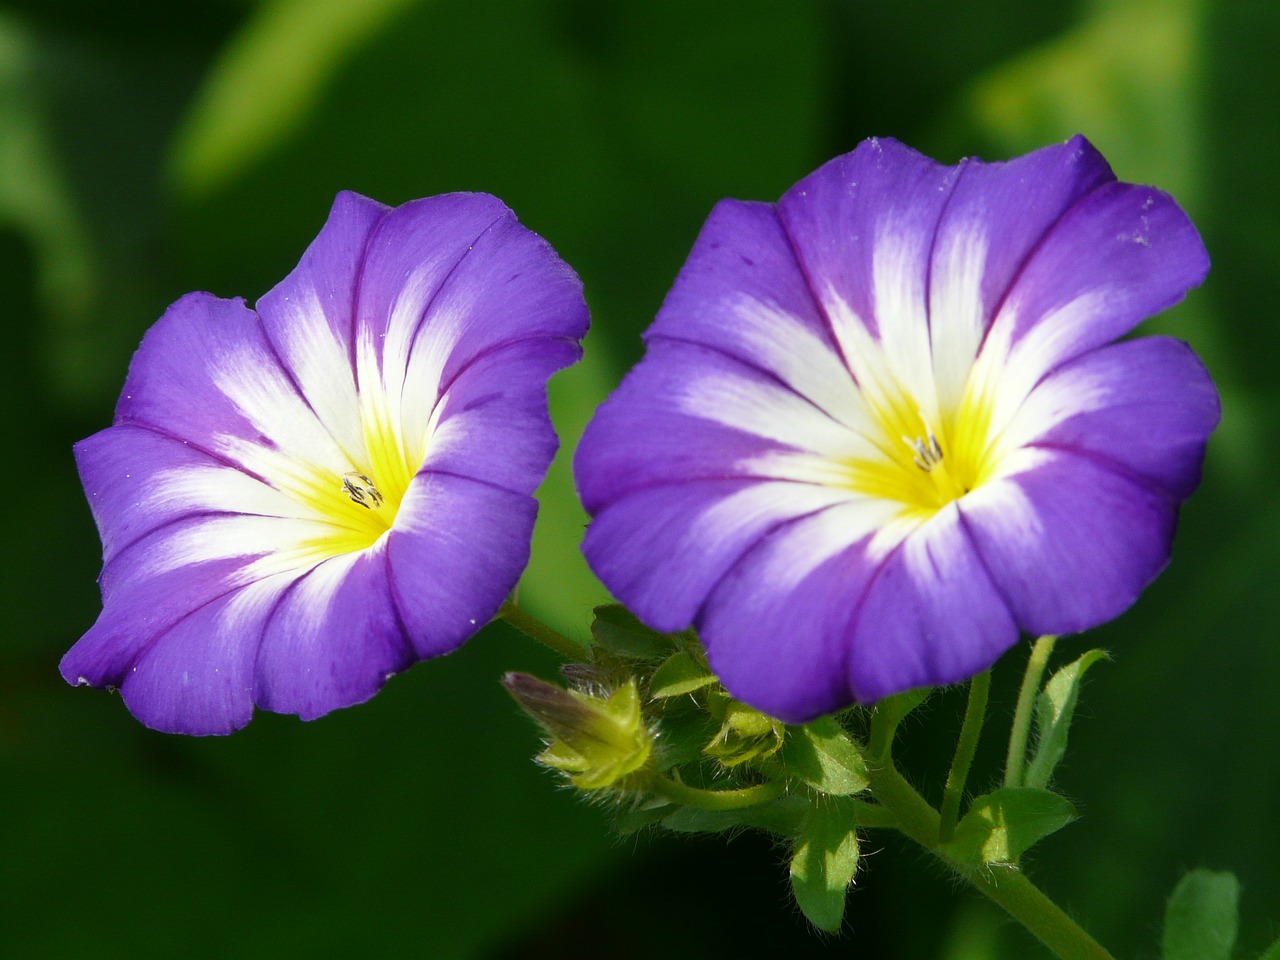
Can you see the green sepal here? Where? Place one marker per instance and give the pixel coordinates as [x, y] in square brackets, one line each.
[783, 816]
[1054, 708]
[823, 865]
[617, 631]
[1002, 825]
[745, 736]
[1201, 918]
[683, 735]
[822, 755]
[679, 674]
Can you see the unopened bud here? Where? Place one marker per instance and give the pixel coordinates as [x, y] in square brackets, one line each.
[745, 734]
[596, 741]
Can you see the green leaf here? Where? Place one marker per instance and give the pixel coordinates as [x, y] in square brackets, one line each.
[619, 632]
[1054, 709]
[783, 816]
[822, 755]
[823, 865]
[680, 674]
[1002, 825]
[267, 82]
[1272, 952]
[1200, 920]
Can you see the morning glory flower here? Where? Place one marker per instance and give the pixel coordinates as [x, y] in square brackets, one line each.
[883, 425]
[299, 500]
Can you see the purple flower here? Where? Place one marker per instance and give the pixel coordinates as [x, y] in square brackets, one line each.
[298, 501]
[882, 426]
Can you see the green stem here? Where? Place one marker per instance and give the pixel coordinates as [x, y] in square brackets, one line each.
[966, 746]
[1007, 887]
[717, 799]
[531, 626]
[1022, 713]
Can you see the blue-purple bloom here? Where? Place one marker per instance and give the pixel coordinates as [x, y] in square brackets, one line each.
[300, 500]
[882, 426]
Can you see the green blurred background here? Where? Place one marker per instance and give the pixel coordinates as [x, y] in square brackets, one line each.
[151, 148]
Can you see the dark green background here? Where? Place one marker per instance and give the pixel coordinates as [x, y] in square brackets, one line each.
[151, 148]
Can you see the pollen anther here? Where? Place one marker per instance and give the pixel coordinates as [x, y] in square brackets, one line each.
[361, 490]
[928, 453]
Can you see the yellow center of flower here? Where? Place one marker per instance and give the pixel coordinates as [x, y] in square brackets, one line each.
[926, 462]
[359, 505]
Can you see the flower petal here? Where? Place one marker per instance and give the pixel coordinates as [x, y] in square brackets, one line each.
[1121, 254]
[206, 374]
[997, 216]
[863, 228]
[458, 547]
[1144, 407]
[932, 615]
[690, 412]
[493, 420]
[197, 676]
[309, 317]
[1070, 543]
[332, 639]
[777, 625]
[699, 529]
[741, 293]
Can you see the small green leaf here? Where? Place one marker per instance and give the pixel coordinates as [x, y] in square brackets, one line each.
[1002, 825]
[1272, 952]
[678, 675]
[823, 865]
[1200, 920]
[616, 629]
[1054, 709]
[783, 816]
[822, 755]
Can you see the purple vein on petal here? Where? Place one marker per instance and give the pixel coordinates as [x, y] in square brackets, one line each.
[756, 368]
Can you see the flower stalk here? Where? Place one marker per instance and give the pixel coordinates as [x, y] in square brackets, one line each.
[966, 746]
[1017, 755]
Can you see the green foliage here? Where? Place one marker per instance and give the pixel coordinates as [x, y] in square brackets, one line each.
[823, 865]
[1054, 708]
[782, 817]
[1000, 826]
[679, 674]
[1201, 917]
[620, 633]
[821, 755]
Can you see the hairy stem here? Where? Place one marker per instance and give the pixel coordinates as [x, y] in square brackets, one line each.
[1017, 756]
[966, 746]
[717, 799]
[531, 626]
[1006, 886]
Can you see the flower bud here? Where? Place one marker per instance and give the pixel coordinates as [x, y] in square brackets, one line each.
[597, 742]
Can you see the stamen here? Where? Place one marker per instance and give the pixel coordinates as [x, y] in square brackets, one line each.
[361, 490]
[928, 454]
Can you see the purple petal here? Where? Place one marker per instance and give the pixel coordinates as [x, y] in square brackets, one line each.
[932, 615]
[332, 639]
[138, 480]
[689, 413]
[1070, 542]
[495, 426]
[197, 676]
[1143, 407]
[1121, 254]
[662, 550]
[777, 626]
[840, 217]
[741, 293]
[457, 549]
[1012, 206]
